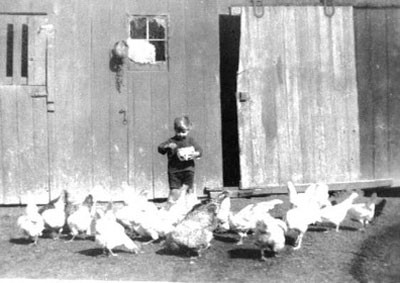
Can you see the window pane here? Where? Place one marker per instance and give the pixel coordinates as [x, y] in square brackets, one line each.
[138, 28]
[157, 28]
[160, 50]
[24, 51]
[10, 50]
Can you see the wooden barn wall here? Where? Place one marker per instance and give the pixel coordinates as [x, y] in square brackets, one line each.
[301, 120]
[378, 67]
[377, 33]
[90, 148]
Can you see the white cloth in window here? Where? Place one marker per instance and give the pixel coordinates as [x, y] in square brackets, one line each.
[141, 51]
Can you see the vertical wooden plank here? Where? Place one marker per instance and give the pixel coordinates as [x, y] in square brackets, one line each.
[307, 29]
[51, 83]
[319, 97]
[243, 107]
[379, 89]
[101, 79]
[393, 37]
[41, 150]
[4, 20]
[118, 106]
[290, 151]
[338, 101]
[327, 96]
[196, 44]
[10, 145]
[132, 131]
[177, 57]
[274, 89]
[2, 187]
[24, 117]
[288, 43]
[350, 98]
[363, 41]
[141, 146]
[80, 100]
[64, 113]
[160, 121]
[37, 36]
[3, 60]
[212, 106]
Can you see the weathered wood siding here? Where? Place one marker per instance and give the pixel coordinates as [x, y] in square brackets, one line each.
[24, 166]
[378, 73]
[89, 144]
[300, 120]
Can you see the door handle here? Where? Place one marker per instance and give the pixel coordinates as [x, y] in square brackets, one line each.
[124, 121]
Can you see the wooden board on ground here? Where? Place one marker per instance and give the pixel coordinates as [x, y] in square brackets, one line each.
[235, 192]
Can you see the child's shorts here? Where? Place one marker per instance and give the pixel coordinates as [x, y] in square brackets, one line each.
[177, 179]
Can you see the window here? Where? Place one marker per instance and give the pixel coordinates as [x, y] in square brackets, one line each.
[23, 50]
[152, 29]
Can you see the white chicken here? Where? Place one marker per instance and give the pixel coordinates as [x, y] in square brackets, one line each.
[363, 212]
[31, 223]
[315, 193]
[299, 218]
[80, 221]
[245, 220]
[54, 214]
[337, 213]
[110, 234]
[270, 234]
[149, 221]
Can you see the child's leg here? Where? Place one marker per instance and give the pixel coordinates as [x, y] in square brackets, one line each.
[188, 179]
[175, 184]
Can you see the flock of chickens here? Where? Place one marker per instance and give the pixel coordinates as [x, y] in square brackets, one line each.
[188, 224]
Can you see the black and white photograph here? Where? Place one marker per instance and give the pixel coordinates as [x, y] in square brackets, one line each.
[200, 141]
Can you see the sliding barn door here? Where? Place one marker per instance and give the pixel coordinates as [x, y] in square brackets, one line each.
[297, 97]
[24, 155]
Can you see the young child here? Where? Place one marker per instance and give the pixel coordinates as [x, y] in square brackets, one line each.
[182, 150]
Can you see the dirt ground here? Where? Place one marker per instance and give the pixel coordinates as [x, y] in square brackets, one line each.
[326, 256]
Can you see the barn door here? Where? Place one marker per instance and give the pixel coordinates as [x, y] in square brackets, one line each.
[24, 153]
[297, 97]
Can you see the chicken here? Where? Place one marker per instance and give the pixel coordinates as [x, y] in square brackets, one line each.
[245, 220]
[110, 234]
[195, 232]
[316, 193]
[299, 218]
[270, 234]
[31, 223]
[363, 212]
[54, 214]
[337, 213]
[81, 220]
[149, 221]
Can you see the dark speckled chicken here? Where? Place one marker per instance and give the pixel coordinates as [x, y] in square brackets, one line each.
[195, 232]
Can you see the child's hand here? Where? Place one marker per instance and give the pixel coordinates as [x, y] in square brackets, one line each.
[193, 155]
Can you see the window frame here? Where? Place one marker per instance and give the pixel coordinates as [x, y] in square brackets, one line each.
[158, 65]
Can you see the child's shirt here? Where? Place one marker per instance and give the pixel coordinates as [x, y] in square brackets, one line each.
[174, 163]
